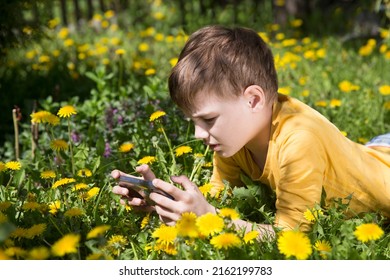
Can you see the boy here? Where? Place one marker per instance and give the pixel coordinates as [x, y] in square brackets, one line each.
[226, 81]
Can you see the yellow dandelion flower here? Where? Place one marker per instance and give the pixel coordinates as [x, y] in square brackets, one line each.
[347, 86]
[40, 116]
[44, 59]
[13, 165]
[80, 186]
[167, 248]
[120, 52]
[165, 234]
[225, 241]
[109, 14]
[59, 145]
[15, 252]
[3, 255]
[384, 90]
[66, 111]
[321, 103]
[53, 23]
[173, 61]
[183, 150]
[85, 172]
[73, 212]
[19, 233]
[31, 206]
[2, 166]
[48, 174]
[216, 190]
[147, 160]
[63, 181]
[126, 147]
[285, 90]
[158, 16]
[296, 22]
[386, 105]
[367, 232]
[312, 214]
[249, 237]
[145, 221]
[116, 243]
[209, 224]
[186, 225]
[205, 189]
[54, 207]
[294, 244]
[38, 253]
[92, 193]
[52, 120]
[323, 247]
[335, 103]
[117, 239]
[35, 230]
[97, 231]
[229, 213]
[66, 245]
[156, 115]
[3, 218]
[150, 72]
[63, 33]
[143, 47]
[4, 205]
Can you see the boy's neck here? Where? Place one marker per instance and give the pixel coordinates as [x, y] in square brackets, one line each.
[258, 147]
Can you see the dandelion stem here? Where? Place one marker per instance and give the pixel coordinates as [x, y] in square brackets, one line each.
[198, 165]
[71, 147]
[173, 168]
[16, 131]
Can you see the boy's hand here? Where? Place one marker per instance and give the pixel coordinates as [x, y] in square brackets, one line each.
[188, 200]
[127, 198]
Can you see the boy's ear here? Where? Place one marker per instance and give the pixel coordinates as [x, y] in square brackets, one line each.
[255, 97]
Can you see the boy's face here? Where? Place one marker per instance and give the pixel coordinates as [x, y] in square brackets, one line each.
[227, 125]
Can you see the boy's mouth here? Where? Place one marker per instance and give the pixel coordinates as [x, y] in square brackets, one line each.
[213, 147]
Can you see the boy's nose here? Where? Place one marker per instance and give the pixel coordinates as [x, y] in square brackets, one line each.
[200, 133]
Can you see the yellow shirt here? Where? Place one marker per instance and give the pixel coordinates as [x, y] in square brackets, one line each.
[306, 155]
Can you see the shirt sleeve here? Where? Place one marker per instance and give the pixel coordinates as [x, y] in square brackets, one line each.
[301, 161]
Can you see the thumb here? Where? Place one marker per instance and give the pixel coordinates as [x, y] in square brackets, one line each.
[184, 182]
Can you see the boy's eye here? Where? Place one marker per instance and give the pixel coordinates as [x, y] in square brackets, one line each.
[209, 120]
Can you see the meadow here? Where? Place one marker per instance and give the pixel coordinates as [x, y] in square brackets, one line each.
[56, 198]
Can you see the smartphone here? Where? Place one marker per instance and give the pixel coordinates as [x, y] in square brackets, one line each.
[136, 185]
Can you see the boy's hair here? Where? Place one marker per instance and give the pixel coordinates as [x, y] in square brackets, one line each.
[224, 61]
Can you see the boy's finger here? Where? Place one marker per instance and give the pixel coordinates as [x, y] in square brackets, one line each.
[146, 172]
[184, 182]
[117, 173]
